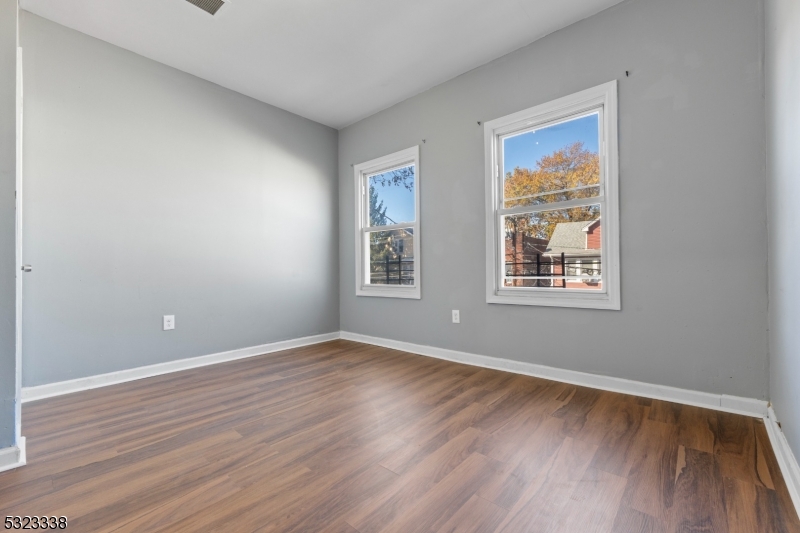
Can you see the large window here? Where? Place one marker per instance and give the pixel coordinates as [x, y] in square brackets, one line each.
[387, 226]
[551, 203]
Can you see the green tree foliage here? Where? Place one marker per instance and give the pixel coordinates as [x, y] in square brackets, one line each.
[400, 177]
[377, 211]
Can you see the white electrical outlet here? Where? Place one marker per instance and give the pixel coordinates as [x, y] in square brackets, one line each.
[456, 316]
[169, 322]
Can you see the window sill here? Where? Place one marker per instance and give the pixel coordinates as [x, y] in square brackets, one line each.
[390, 292]
[572, 299]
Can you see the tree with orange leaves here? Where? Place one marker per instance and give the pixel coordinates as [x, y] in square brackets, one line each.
[569, 173]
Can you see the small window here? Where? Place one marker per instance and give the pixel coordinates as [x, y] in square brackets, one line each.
[552, 215]
[387, 226]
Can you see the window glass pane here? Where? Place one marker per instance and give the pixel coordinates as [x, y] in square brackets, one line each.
[554, 249]
[552, 164]
[391, 197]
[391, 257]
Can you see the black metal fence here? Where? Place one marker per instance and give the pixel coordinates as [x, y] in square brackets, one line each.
[392, 271]
[550, 270]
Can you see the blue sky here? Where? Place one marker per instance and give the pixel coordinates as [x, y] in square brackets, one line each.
[398, 200]
[526, 149]
[521, 150]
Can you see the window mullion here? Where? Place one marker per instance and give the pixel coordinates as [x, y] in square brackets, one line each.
[567, 204]
[390, 227]
[550, 193]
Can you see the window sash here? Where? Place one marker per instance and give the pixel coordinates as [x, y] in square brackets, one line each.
[555, 206]
[364, 184]
[368, 260]
[500, 249]
[548, 193]
[532, 125]
[390, 227]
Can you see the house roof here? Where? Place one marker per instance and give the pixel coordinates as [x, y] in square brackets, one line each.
[570, 238]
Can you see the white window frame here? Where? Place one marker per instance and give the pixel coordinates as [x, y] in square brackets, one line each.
[604, 98]
[362, 172]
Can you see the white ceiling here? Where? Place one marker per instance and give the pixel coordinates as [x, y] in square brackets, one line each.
[333, 61]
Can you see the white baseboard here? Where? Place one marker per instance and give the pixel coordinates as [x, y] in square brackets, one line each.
[719, 402]
[40, 392]
[13, 456]
[786, 459]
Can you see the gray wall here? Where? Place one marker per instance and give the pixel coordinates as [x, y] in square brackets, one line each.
[693, 200]
[8, 106]
[783, 165]
[150, 192]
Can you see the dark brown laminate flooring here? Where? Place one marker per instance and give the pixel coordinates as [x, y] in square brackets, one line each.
[344, 437]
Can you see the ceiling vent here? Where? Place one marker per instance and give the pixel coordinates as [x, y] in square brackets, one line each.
[209, 6]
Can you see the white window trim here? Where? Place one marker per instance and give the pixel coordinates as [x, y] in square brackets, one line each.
[604, 96]
[362, 171]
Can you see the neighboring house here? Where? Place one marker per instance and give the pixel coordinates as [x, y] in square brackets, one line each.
[400, 244]
[392, 261]
[579, 242]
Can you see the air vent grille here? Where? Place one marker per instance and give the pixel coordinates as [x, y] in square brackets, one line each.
[209, 6]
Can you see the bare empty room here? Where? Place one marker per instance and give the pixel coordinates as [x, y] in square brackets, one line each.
[419, 266]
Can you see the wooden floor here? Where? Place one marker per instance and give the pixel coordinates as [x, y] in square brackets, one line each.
[348, 438]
